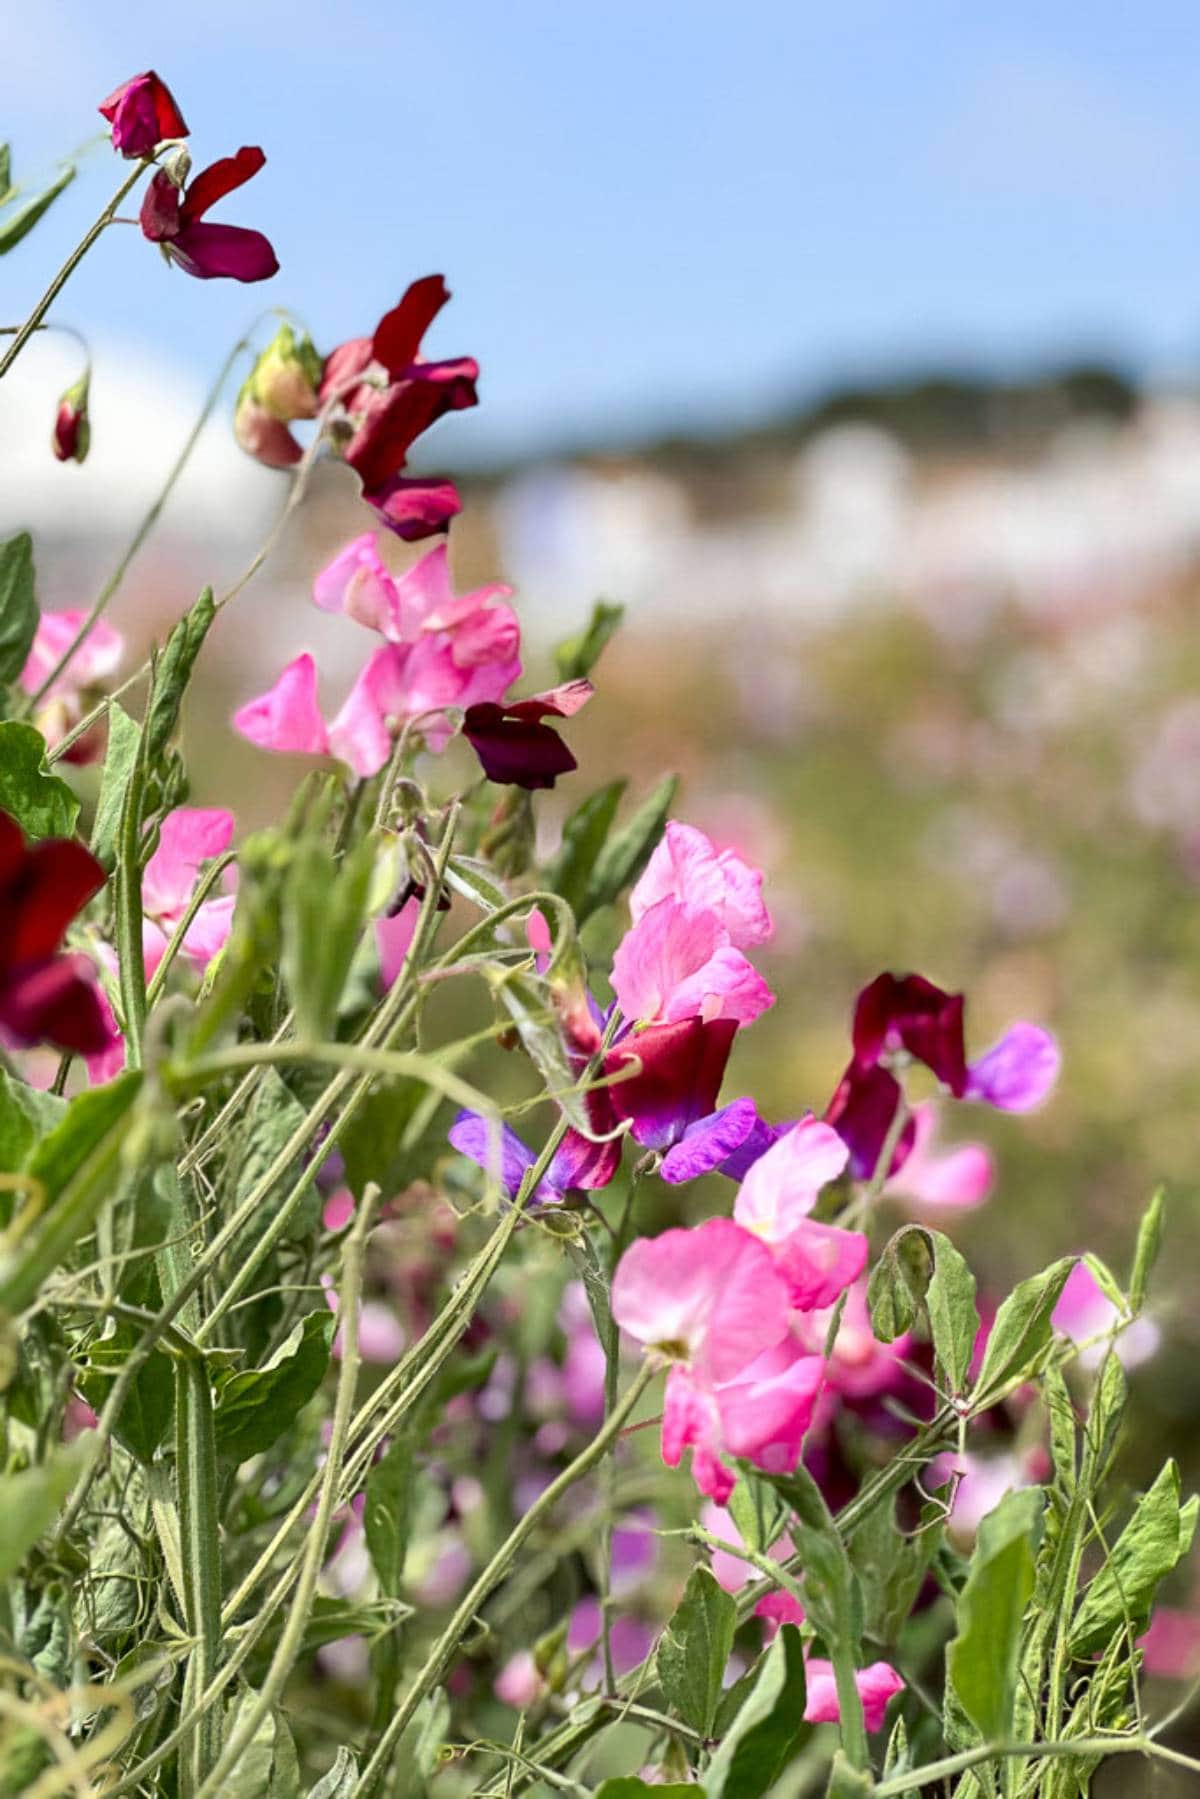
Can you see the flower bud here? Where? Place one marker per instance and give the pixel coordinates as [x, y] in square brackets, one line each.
[72, 429]
[142, 113]
[280, 387]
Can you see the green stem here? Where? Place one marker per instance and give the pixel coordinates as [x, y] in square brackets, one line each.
[945, 1769]
[25, 332]
[196, 1475]
[442, 1653]
[131, 958]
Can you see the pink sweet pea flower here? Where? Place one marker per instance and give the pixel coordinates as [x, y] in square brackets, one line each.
[876, 1685]
[174, 219]
[1084, 1312]
[774, 1201]
[957, 1179]
[678, 962]
[687, 867]
[421, 603]
[143, 114]
[1171, 1646]
[188, 837]
[860, 1366]
[68, 696]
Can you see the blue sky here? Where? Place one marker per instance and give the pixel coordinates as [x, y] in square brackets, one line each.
[654, 212]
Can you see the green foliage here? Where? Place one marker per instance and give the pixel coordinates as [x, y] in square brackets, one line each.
[25, 1116]
[145, 1417]
[694, 1649]
[120, 759]
[985, 1656]
[1021, 1332]
[583, 838]
[325, 904]
[1149, 1242]
[577, 656]
[1156, 1537]
[628, 1786]
[388, 1511]
[254, 1409]
[172, 672]
[30, 1499]
[18, 606]
[921, 1269]
[17, 225]
[627, 852]
[42, 804]
[769, 1727]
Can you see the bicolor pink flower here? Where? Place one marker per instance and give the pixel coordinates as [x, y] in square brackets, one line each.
[687, 867]
[188, 838]
[174, 219]
[818, 1261]
[877, 1685]
[389, 396]
[678, 961]
[143, 114]
[514, 744]
[69, 695]
[957, 1179]
[1084, 1313]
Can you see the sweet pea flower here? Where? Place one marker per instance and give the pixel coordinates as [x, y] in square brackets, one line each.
[188, 837]
[687, 867]
[389, 396]
[678, 961]
[577, 1163]
[143, 114]
[1084, 1311]
[711, 1301]
[818, 1261]
[860, 1366]
[877, 1684]
[420, 603]
[983, 1480]
[953, 1180]
[1171, 1646]
[514, 745]
[72, 434]
[173, 218]
[46, 996]
[68, 696]
[671, 1101]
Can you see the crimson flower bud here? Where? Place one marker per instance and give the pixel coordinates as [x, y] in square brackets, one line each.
[72, 434]
[142, 113]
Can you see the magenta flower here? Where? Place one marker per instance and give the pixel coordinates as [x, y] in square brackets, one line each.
[514, 746]
[908, 1013]
[678, 961]
[45, 996]
[143, 114]
[174, 218]
[877, 1684]
[687, 867]
[818, 1261]
[389, 397]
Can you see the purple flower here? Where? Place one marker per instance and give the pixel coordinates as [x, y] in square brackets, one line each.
[576, 1163]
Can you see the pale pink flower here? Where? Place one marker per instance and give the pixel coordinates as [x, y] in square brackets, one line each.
[393, 939]
[1084, 1312]
[774, 1201]
[678, 962]
[63, 704]
[687, 866]
[188, 838]
[860, 1366]
[957, 1179]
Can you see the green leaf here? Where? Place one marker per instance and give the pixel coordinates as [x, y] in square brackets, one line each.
[86, 1121]
[921, 1268]
[267, 1767]
[7, 190]
[694, 1648]
[255, 1408]
[276, 1116]
[890, 1568]
[1149, 1241]
[984, 1657]
[768, 1729]
[758, 1512]
[25, 1116]
[18, 224]
[1060, 1412]
[1156, 1537]
[898, 1757]
[30, 1500]
[582, 841]
[145, 1417]
[324, 909]
[628, 1786]
[625, 855]
[832, 1597]
[172, 672]
[847, 1782]
[577, 656]
[1021, 1331]
[388, 1511]
[899, 1282]
[124, 737]
[18, 607]
[328, 1622]
[41, 803]
[340, 1782]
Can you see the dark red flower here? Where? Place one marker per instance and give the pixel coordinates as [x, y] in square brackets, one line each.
[862, 1112]
[174, 218]
[513, 744]
[397, 399]
[907, 1012]
[46, 997]
[682, 1067]
[142, 113]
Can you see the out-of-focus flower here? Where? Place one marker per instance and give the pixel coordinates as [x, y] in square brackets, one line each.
[45, 996]
[174, 219]
[389, 396]
[876, 1684]
[860, 1366]
[774, 1201]
[576, 1163]
[72, 433]
[930, 1180]
[188, 837]
[983, 1480]
[280, 388]
[69, 695]
[1171, 1646]
[1084, 1311]
[514, 745]
[143, 114]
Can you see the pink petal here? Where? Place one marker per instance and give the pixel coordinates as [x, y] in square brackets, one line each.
[766, 1411]
[1017, 1073]
[187, 838]
[711, 1293]
[676, 962]
[361, 732]
[393, 937]
[819, 1261]
[208, 932]
[95, 659]
[686, 865]
[957, 1180]
[876, 1685]
[782, 1186]
[358, 583]
[287, 716]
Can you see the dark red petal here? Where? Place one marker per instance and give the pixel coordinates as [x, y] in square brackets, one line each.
[862, 1111]
[58, 878]
[12, 855]
[399, 332]
[341, 366]
[232, 251]
[918, 1015]
[220, 178]
[160, 209]
[683, 1065]
[415, 509]
[56, 1002]
[397, 415]
[516, 751]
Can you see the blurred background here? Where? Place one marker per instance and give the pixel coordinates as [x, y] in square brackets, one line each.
[857, 352]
